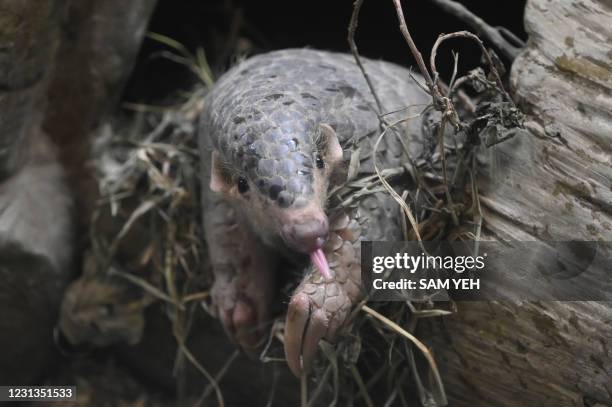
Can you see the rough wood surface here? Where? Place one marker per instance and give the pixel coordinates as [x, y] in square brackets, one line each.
[24, 28]
[553, 184]
[35, 231]
[62, 65]
[97, 49]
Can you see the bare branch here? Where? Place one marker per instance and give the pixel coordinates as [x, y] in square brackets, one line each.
[413, 48]
[441, 103]
[469, 35]
[511, 36]
[495, 35]
[353, 45]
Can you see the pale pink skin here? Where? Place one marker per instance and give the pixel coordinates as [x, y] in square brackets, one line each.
[243, 289]
[320, 306]
[320, 262]
[244, 270]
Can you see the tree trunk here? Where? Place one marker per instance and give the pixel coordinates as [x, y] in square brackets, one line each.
[97, 50]
[57, 78]
[555, 184]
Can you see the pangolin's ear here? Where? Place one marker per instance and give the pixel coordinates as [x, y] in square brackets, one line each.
[333, 151]
[219, 181]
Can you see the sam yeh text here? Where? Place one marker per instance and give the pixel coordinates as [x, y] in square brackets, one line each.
[428, 284]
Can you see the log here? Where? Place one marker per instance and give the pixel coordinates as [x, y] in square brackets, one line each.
[96, 53]
[44, 63]
[554, 183]
[35, 227]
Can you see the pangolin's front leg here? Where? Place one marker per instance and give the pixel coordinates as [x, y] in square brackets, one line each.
[244, 275]
[319, 308]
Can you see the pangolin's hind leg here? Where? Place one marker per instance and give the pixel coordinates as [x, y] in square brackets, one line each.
[244, 271]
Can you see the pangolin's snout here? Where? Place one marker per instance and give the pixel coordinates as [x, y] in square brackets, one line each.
[306, 235]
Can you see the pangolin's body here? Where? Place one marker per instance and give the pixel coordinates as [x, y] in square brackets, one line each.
[264, 113]
[262, 121]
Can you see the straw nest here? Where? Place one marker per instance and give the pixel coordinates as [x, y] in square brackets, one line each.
[147, 232]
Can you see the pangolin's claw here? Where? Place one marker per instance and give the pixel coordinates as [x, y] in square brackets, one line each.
[320, 307]
[304, 328]
[316, 311]
[315, 331]
[242, 317]
[241, 323]
[295, 324]
[244, 321]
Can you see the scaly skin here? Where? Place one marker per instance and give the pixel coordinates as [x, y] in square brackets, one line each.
[263, 115]
[244, 275]
[319, 307]
[262, 120]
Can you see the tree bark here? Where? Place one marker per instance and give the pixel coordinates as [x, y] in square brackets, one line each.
[62, 66]
[99, 42]
[555, 184]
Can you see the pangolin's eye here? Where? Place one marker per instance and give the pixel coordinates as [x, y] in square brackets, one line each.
[319, 161]
[243, 184]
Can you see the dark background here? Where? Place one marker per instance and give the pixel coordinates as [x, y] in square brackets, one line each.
[273, 24]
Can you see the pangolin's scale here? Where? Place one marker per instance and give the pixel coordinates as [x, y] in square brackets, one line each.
[263, 116]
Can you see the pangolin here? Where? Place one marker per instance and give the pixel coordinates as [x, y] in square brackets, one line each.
[277, 132]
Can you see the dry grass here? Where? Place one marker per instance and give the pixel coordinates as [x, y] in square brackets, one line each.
[148, 176]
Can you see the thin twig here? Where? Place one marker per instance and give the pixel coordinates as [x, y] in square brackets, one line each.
[143, 284]
[413, 48]
[476, 198]
[202, 370]
[322, 383]
[351, 40]
[389, 188]
[218, 377]
[469, 35]
[362, 388]
[454, 75]
[442, 104]
[449, 198]
[418, 344]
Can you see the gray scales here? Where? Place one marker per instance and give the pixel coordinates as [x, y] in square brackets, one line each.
[263, 115]
[263, 120]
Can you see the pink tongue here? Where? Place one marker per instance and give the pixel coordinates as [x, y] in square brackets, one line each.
[318, 259]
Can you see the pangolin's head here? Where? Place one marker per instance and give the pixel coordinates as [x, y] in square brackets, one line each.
[275, 159]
